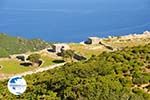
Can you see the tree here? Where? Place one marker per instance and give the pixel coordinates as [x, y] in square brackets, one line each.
[103, 77]
[34, 58]
[68, 55]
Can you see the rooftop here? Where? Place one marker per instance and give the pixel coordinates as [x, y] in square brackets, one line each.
[94, 38]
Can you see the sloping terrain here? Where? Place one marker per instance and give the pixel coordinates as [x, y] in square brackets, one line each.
[119, 75]
[15, 45]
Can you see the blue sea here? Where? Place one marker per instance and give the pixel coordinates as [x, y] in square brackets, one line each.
[73, 20]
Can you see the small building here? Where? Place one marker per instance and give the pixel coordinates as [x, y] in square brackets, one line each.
[93, 40]
[21, 57]
[146, 33]
[79, 57]
[58, 48]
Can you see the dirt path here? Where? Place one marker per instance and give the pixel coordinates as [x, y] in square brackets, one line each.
[41, 69]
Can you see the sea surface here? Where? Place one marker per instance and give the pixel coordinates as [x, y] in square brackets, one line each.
[73, 20]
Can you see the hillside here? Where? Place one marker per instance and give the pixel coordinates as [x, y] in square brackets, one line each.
[119, 75]
[14, 45]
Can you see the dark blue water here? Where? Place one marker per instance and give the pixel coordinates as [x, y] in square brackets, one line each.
[73, 20]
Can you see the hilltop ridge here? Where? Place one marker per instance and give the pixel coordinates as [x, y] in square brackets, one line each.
[14, 45]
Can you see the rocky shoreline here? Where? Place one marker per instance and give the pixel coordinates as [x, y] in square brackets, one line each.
[145, 34]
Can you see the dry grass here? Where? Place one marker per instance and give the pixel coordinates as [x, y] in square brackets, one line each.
[87, 50]
[129, 43]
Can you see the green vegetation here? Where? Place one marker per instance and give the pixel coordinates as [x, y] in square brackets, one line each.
[34, 58]
[47, 61]
[15, 45]
[10, 66]
[109, 76]
[13, 66]
[68, 55]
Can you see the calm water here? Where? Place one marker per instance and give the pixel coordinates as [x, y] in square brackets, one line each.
[73, 20]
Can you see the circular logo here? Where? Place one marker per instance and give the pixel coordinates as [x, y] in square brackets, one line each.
[17, 85]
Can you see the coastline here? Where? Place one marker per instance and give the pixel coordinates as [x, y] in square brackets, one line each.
[77, 39]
